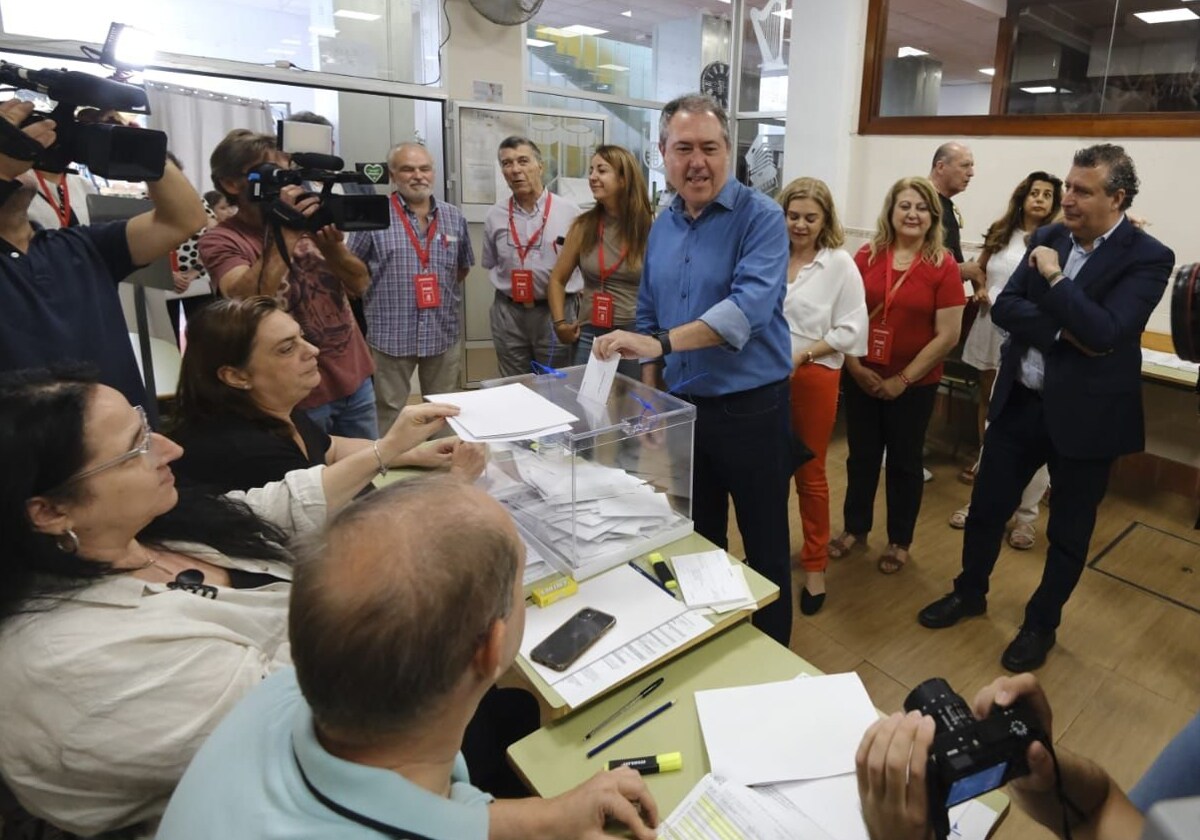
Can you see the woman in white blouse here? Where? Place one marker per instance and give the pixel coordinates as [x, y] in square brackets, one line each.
[827, 315]
[133, 616]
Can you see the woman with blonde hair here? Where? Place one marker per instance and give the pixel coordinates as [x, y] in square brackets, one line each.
[826, 313]
[607, 244]
[915, 298]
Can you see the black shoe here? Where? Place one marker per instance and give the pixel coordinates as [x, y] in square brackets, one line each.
[811, 604]
[1028, 650]
[948, 610]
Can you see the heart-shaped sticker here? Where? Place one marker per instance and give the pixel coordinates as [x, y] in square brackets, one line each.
[374, 171]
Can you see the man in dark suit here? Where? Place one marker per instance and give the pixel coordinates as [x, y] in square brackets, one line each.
[1069, 390]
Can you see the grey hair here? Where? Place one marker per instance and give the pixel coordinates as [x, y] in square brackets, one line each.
[693, 103]
[407, 144]
[516, 141]
[1121, 173]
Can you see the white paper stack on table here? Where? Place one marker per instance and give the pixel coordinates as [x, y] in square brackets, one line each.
[506, 412]
[710, 579]
[797, 740]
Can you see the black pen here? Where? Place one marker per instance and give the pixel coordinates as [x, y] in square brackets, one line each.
[650, 578]
[641, 695]
[642, 721]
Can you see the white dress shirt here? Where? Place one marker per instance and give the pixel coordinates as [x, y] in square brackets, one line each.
[826, 300]
[500, 254]
[105, 697]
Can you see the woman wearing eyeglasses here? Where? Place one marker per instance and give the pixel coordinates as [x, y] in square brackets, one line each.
[111, 673]
[246, 368]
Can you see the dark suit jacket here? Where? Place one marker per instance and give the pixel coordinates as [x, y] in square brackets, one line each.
[1093, 404]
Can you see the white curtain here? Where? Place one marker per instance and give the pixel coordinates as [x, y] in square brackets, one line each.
[196, 120]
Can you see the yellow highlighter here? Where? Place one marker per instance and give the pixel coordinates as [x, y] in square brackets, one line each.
[650, 764]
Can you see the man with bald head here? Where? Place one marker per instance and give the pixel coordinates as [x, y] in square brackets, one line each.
[403, 615]
[951, 173]
[414, 302]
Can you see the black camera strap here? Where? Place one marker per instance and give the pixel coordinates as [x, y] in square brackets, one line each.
[355, 817]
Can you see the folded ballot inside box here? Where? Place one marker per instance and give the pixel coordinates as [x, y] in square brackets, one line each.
[611, 486]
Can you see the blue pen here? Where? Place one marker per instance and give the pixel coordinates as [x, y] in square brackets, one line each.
[650, 578]
[639, 722]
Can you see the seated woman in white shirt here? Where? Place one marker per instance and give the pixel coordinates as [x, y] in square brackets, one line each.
[133, 616]
[826, 312]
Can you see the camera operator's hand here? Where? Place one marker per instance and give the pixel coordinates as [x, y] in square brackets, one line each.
[1005, 691]
[328, 238]
[299, 199]
[16, 112]
[891, 777]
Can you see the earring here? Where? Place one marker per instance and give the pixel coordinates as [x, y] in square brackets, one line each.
[67, 542]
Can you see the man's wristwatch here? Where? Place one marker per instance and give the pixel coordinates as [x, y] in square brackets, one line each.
[664, 340]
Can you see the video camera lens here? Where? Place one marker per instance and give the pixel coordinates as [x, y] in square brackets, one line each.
[938, 700]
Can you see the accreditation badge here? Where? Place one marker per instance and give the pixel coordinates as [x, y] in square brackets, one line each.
[429, 293]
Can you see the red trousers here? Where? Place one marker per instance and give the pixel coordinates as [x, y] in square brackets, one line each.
[814, 410]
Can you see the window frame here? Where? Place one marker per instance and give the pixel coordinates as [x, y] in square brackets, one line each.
[1150, 124]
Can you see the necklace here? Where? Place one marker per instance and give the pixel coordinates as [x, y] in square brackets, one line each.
[151, 560]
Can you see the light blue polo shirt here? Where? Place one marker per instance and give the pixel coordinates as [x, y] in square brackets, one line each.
[245, 782]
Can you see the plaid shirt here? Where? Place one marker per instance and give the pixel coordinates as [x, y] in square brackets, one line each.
[395, 325]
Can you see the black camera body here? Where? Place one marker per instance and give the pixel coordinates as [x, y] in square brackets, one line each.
[1185, 312]
[111, 151]
[969, 757]
[348, 213]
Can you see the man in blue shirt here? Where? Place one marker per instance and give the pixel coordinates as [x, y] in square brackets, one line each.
[710, 323]
[402, 616]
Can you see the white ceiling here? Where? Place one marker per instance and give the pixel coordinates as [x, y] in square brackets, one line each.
[638, 29]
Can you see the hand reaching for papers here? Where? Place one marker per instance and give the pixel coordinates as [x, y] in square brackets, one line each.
[628, 345]
[891, 777]
[415, 424]
[581, 813]
[468, 461]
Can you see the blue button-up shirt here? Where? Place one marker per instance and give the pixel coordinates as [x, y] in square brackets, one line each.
[1032, 373]
[395, 325]
[727, 268]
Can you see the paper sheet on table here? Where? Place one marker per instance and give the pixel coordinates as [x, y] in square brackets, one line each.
[638, 605]
[503, 412]
[785, 731]
[598, 378]
[833, 804]
[708, 579]
[717, 809]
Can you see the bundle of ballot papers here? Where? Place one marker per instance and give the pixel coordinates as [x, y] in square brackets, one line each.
[504, 413]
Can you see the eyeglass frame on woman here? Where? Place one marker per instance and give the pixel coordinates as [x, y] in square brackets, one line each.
[141, 448]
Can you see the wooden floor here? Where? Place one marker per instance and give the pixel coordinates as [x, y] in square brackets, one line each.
[1123, 678]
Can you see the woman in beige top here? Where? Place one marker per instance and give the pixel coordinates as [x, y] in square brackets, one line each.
[607, 244]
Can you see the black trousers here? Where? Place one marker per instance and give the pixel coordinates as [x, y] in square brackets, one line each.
[874, 426]
[1016, 444]
[745, 450]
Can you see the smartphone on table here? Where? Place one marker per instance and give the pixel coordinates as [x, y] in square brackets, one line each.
[566, 644]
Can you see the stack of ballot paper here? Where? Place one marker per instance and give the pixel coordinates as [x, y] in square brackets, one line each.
[709, 579]
[507, 412]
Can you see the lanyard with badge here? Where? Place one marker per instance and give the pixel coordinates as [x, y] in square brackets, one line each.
[429, 293]
[61, 207]
[879, 339]
[602, 301]
[522, 278]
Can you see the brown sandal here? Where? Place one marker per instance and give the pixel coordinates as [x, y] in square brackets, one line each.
[842, 546]
[890, 561]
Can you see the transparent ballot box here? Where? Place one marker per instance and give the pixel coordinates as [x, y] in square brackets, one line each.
[616, 485]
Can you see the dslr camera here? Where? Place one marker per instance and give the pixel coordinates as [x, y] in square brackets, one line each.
[347, 212]
[111, 151]
[970, 757]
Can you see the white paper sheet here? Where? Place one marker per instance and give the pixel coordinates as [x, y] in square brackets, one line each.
[718, 809]
[785, 731]
[503, 412]
[709, 579]
[598, 378]
[638, 605]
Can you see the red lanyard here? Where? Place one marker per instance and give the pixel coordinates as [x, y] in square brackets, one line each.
[512, 229]
[63, 210]
[422, 254]
[892, 290]
[605, 273]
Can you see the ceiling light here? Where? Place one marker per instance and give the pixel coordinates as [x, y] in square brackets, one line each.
[537, 42]
[580, 29]
[907, 52]
[627, 14]
[1041, 89]
[1167, 16]
[988, 71]
[616, 68]
[350, 14]
[786, 14]
[726, 2]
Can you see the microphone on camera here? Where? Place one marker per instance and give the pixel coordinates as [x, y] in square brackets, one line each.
[314, 160]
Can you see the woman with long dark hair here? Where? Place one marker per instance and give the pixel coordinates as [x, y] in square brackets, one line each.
[133, 616]
[607, 244]
[915, 302]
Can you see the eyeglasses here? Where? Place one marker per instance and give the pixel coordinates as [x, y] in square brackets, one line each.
[142, 447]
